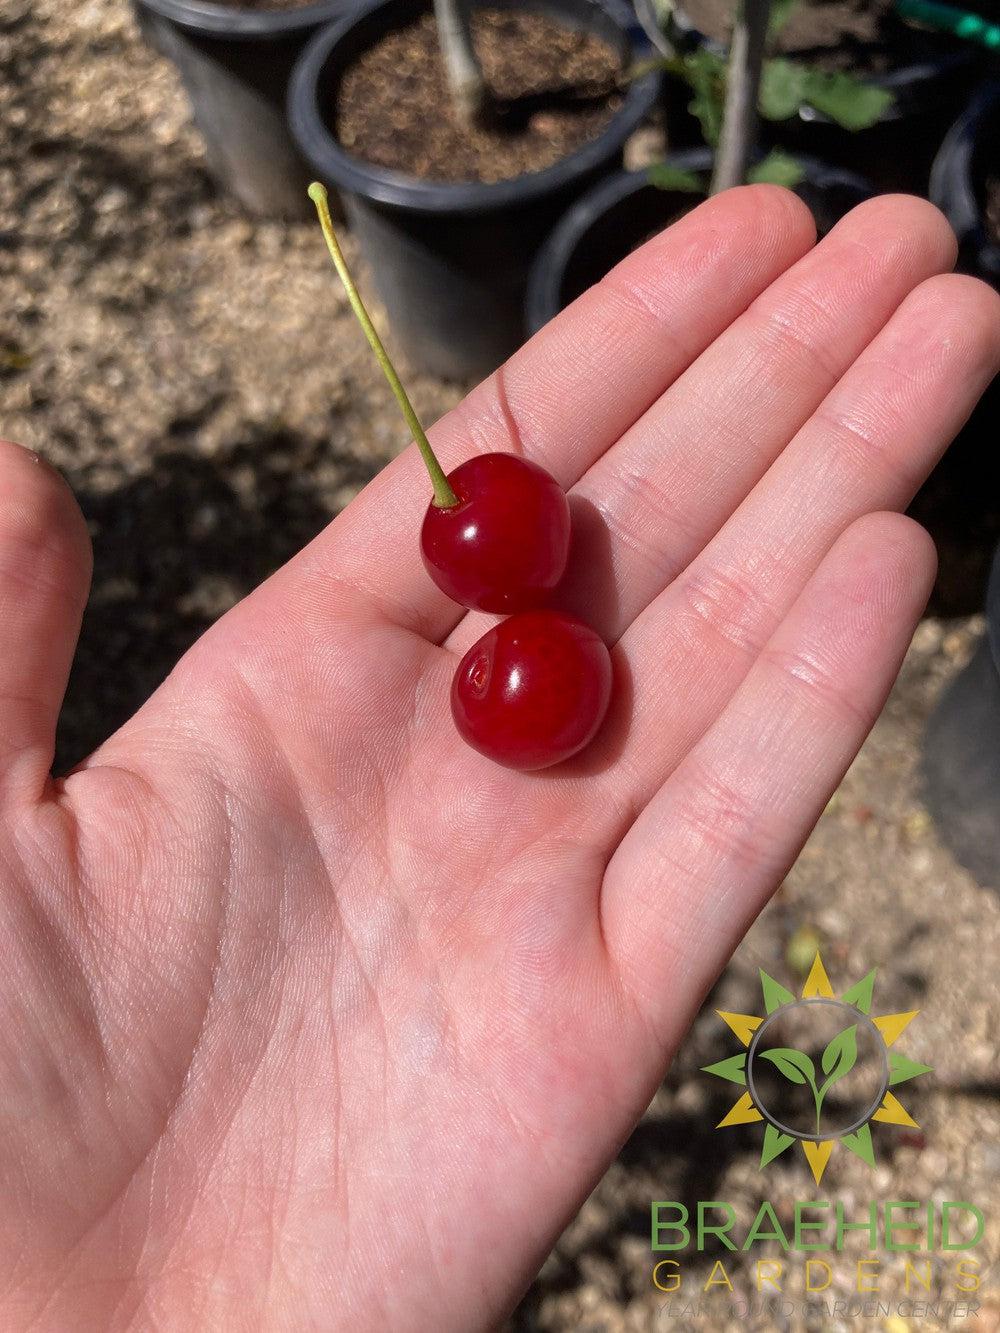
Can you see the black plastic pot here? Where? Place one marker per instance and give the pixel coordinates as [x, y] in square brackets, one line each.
[235, 64]
[617, 215]
[896, 153]
[451, 261]
[961, 755]
[971, 149]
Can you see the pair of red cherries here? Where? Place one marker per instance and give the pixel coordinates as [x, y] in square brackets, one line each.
[496, 537]
[534, 689]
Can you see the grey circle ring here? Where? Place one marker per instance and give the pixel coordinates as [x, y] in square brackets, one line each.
[773, 1119]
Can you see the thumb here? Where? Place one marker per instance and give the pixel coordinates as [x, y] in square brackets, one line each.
[45, 567]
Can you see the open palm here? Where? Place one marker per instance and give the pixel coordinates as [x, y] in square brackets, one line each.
[310, 1016]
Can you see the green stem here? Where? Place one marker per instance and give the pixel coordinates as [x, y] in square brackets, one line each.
[444, 496]
[817, 1099]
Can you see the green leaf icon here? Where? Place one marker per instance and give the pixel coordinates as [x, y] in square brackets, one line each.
[795, 1065]
[840, 1056]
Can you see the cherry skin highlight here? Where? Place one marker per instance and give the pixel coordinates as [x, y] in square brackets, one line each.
[503, 547]
[533, 690]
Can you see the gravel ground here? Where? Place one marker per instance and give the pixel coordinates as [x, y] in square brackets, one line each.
[198, 377]
[199, 380]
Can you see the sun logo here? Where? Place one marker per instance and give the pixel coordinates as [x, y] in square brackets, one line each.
[817, 1070]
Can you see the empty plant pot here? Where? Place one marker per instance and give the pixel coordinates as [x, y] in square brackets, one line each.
[450, 260]
[235, 65]
[927, 73]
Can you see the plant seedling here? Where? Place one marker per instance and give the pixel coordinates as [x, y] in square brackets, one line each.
[495, 537]
[837, 1061]
[730, 96]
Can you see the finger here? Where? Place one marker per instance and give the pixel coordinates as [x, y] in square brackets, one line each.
[649, 504]
[45, 564]
[685, 466]
[573, 389]
[709, 849]
[868, 447]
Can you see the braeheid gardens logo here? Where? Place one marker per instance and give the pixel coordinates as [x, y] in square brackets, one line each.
[818, 1069]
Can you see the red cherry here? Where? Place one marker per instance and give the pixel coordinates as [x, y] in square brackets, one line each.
[533, 690]
[503, 547]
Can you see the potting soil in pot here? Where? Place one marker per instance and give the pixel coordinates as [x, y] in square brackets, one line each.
[859, 36]
[553, 90]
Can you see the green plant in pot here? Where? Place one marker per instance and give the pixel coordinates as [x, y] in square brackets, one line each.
[922, 71]
[731, 95]
[451, 193]
[729, 103]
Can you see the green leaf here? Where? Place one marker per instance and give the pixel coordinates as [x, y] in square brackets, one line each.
[782, 89]
[795, 1065]
[854, 105]
[705, 73]
[667, 177]
[786, 86]
[840, 1056]
[778, 168]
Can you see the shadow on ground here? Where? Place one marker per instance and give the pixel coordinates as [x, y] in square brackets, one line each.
[174, 548]
[675, 1153]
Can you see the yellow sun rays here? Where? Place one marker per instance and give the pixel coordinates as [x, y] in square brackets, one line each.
[817, 986]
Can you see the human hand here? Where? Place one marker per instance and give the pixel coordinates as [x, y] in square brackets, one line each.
[314, 1018]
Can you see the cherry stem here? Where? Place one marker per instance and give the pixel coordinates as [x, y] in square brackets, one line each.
[444, 496]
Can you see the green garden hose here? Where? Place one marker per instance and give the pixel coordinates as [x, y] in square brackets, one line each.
[948, 18]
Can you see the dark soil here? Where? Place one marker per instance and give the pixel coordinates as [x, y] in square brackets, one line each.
[554, 89]
[991, 213]
[862, 36]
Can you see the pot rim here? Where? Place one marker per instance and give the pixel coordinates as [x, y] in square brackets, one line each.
[952, 187]
[215, 20]
[550, 262]
[386, 186]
